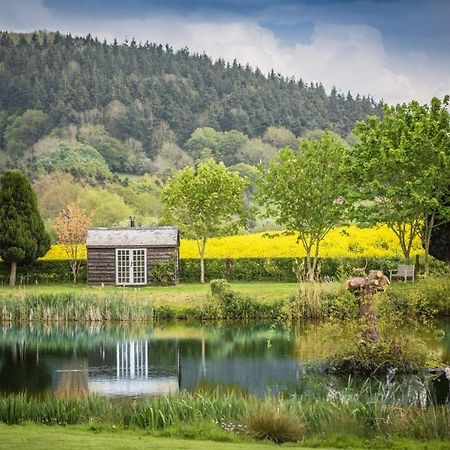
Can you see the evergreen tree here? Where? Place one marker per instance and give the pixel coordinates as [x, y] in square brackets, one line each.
[67, 77]
[22, 233]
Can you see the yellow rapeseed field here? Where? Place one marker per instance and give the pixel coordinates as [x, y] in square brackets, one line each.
[348, 242]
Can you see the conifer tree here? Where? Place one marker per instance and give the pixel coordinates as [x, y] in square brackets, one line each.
[22, 234]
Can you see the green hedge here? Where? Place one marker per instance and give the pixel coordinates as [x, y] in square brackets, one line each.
[43, 271]
[276, 269]
[244, 269]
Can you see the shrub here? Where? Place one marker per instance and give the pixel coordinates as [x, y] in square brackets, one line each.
[390, 352]
[233, 305]
[163, 272]
[323, 300]
[430, 297]
[274, 425]
[43, 271]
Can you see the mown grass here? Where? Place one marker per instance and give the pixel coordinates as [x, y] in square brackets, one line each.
[179, 295]
[39, 437]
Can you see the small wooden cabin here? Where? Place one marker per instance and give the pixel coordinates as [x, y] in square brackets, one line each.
[126, 256]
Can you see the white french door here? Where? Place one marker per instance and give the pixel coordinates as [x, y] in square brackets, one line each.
[131, 266]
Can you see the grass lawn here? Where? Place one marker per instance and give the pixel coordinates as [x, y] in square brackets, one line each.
[37, 437]
[184, 294]
[181, 294]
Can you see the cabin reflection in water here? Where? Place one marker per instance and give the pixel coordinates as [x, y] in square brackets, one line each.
[133, 374]
[76, 361]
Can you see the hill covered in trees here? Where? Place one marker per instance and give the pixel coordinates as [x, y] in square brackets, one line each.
[107, 124]
[133, 88]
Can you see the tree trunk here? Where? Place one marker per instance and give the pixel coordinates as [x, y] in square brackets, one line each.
[426, 261]
[364, 289]
[202, 269]
[310, 271]
[315, 260]
[75, 272]
[368, 317]
[12, 276]
[405, 239]
[202, 261]
[426, 238]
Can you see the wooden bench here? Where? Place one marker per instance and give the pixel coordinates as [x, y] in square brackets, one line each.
[403, 272]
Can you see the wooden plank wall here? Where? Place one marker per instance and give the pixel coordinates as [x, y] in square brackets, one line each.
[101, 266]
[101, 263]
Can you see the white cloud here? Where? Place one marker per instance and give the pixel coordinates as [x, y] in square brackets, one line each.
[348, 57]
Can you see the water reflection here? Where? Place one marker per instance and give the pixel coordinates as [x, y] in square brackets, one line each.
[134, 361]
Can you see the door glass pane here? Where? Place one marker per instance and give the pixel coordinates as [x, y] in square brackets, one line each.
[123, 267]
[131, 266]
[139, 266]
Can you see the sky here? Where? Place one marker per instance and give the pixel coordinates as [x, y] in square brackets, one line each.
[393, 50]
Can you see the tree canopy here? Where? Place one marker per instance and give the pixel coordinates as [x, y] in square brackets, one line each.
[22, 234]
[402, 165]
[133, 88]
[306, 191]
[204, 202]
[82, 161]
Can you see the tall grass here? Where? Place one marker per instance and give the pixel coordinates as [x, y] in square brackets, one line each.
[71, 306]
[322, 300]
[368, 415]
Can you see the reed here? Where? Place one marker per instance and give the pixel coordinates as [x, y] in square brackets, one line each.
[320, 300]
[71, 306]
[367, 415]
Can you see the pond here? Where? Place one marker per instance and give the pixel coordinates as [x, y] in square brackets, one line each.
[139, 360]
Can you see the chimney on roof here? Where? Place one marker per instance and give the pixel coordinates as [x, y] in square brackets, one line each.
[132, 221]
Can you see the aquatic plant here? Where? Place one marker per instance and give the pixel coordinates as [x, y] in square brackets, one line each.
[369, 413]
[72, 306]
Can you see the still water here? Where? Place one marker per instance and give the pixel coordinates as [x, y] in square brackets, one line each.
[132, 361]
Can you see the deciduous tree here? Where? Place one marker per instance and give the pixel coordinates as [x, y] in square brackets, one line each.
[306, 191]
[22, 234]
[71, 227]
[402, 164]
[204, 202]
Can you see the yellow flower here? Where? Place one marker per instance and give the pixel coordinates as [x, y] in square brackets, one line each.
[343, 242]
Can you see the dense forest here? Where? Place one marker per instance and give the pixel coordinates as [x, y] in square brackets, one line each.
[131, 88]
[83, 118]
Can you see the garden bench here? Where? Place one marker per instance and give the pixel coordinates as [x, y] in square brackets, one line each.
[404, 272]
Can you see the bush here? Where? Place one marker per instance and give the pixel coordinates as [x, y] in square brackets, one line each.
[162, 272]
[233, 305]
[43, 271]
[428, 298]
[391, 352]
[244, 269]
[279, 269]
[322, 300]
[275, 425]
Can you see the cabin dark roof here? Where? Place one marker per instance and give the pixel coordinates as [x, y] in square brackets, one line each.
[132, 237]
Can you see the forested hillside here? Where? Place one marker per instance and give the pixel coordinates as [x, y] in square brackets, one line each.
[131, 88]
[108, 124]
